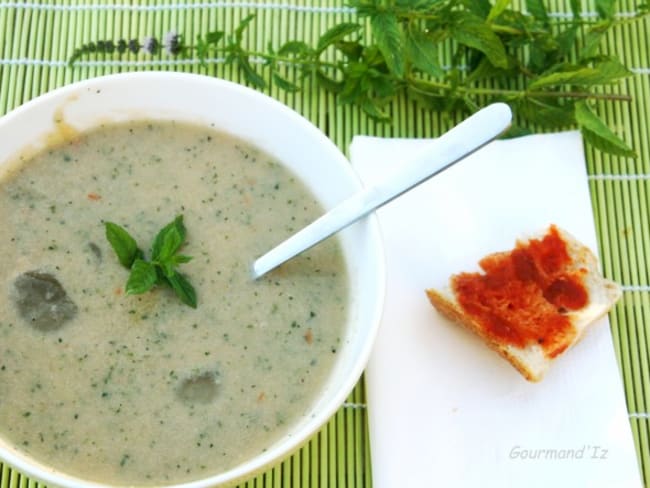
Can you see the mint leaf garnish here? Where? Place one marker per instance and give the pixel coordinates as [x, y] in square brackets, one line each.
[161, 268]
[142, 278]
[169, 239]
[183, 288]
[123, 244]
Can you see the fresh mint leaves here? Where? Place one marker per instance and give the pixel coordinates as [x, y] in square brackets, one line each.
[183, 288]
[142, 278]
[162, 268]
[598, 134]
[446, 55]
[123, 244]
[168, 240]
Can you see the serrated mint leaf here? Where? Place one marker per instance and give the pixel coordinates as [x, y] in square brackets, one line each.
[181, 259]
[243, 24]
[470, 30]
[178, 226]
[546, 114]
[352, 90]
[427, 99]
[537, 9]
[335, 34]
[486, 70]
[497, 9]
[122, 243]
[601, 73]
[574, 77]
[538, 58]
[142, 278]
[382, 86]
[596, 132]
[479, 7]
[605, 8]
[593, 39]
[183, 289]
[202, 52]
[351, 49]
[423, 52]
[285, 84]
[172, 240]
[297, 48]
[566, 40]
[612, 69]
[167, 268]
[388, 35]
[328, 83]
[373, 109]
[250, 75]
[214, 37]
[169, 264]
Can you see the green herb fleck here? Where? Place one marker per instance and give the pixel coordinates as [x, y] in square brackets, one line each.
[161, 269]
[124, 460]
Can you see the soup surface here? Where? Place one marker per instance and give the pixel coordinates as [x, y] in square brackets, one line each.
[142, 389]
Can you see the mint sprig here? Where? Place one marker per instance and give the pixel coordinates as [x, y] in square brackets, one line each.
[445, 55]
[162, 268]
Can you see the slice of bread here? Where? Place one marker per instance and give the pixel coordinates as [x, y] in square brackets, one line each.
[532, 303]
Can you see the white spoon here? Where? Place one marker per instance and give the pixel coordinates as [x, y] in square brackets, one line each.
[468, 136]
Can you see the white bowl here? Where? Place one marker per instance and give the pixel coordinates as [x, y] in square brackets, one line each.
[272, 127]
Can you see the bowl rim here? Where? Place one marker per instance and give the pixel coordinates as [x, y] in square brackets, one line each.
[281, 450]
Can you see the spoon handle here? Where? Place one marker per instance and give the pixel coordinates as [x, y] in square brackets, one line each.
[462, 140]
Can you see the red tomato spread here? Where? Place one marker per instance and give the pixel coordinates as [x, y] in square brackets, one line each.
[523, 295]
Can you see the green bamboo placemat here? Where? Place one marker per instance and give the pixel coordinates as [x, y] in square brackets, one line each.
[36, 39]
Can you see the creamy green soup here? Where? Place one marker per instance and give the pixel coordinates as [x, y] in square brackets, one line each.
[141, 389]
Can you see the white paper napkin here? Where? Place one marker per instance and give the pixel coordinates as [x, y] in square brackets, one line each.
[443, 409]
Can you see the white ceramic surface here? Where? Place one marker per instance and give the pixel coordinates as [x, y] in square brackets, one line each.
[275, 129]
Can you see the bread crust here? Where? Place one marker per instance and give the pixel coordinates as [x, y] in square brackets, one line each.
[452, 311]
[531, 361]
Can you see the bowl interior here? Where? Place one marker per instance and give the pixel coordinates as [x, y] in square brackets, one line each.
[272, 127]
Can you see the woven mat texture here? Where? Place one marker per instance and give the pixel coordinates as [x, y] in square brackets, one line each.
[37, 37]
